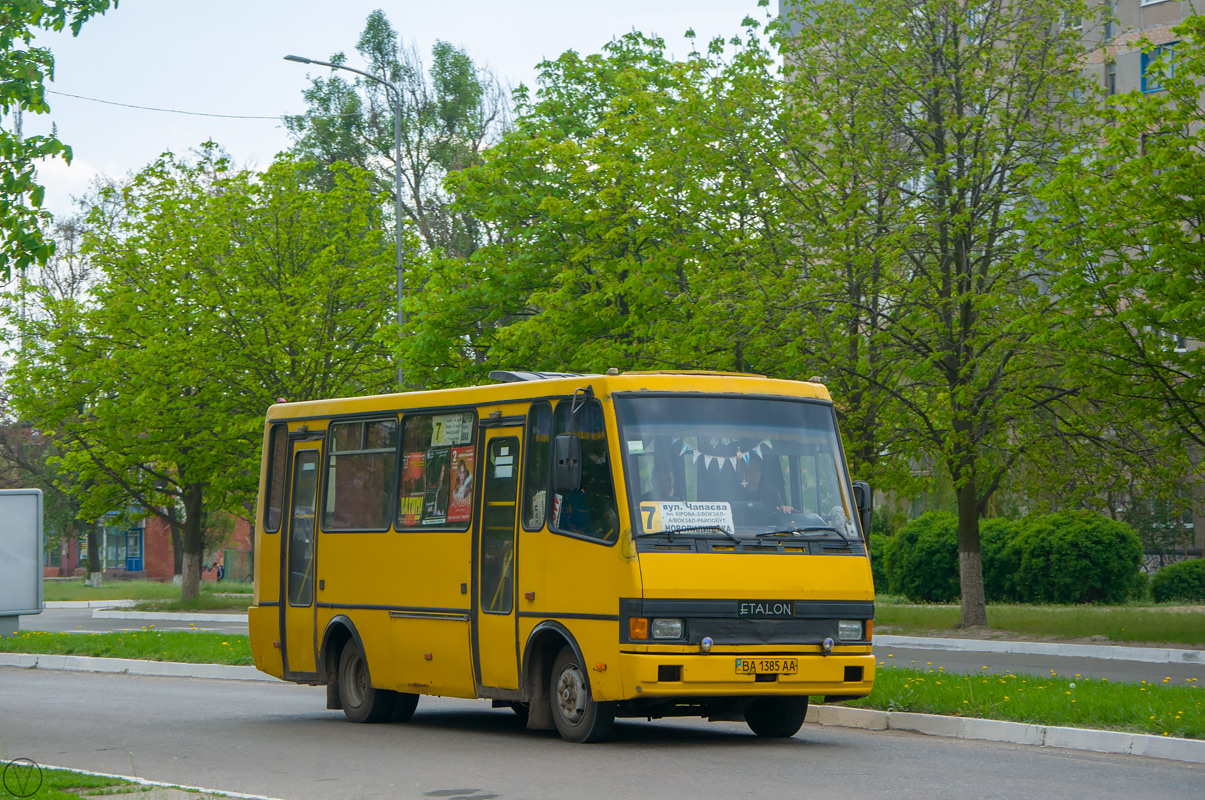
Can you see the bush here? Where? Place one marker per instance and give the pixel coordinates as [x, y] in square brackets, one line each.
[879, 536]
[1184, 580]
[999, 566]
[1074, 557]
[922, 559]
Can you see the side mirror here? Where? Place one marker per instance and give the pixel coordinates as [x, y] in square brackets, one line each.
[567, 469]
[864, 500]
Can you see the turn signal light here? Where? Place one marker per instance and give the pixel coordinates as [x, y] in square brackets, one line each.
[869, 629]
[638, 628]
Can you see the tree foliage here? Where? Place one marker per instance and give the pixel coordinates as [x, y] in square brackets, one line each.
[24, 71]
[449, 115]
[1125, 225]
[220, 291]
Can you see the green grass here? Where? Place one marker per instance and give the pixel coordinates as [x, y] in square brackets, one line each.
[133, 590]
[206, 602]
[1158, 707]
[148, 644]
[62, 784]
[1123, 624]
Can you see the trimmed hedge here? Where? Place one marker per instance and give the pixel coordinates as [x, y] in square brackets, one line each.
[922, 559]
[880, 534]
[1074, 557]
[1184, 580]
[1071, 557]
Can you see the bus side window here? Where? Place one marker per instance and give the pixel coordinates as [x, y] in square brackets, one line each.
[277, 462]
[590, 511]
[535, 476]
[437, 469]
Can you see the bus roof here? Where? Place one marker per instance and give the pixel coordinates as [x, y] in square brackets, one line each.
[520, 386]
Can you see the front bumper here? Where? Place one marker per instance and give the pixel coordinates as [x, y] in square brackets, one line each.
[841, 674]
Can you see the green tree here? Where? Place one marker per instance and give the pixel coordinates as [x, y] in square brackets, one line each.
[24, 71]
[450, 114]
[1125, 226]
[630, 218]
[961, 105]
[220, 292]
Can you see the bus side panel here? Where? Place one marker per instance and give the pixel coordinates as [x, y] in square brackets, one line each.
[431, 657]
[386, 583]
[263, 624]
[572, 579]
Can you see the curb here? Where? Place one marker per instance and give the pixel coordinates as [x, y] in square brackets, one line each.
[1151, 655]
[175, 616]
[133, 666]
[1138, 744]
[88, 604]
[161, 785]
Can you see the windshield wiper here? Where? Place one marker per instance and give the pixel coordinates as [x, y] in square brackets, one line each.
[690, 529]
[806, 529]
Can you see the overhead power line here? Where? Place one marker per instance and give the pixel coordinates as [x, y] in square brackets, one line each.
[161, 110]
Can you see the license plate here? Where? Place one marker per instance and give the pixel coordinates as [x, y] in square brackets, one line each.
[767, 666]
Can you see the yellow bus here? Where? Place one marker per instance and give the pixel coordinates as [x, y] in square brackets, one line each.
[575, 547]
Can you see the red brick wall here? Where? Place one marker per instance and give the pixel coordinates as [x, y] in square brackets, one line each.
[157, 560]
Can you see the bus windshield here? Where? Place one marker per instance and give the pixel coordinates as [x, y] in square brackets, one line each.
[734, 466]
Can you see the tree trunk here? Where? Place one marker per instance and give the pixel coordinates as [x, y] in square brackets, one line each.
[96, 572]
[970, 565]
[173, 524]
[194, 541]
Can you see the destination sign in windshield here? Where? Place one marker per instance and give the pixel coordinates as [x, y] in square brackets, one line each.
[670, 516]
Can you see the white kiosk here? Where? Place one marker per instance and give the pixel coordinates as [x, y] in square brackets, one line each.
[20, 556]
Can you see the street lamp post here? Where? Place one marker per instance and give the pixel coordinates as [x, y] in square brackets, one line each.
[397, 188]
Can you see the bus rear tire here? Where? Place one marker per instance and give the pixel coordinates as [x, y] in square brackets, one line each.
[777, 717]
[361, 702]
[578, 716]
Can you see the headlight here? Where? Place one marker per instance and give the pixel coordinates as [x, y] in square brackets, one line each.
[850, 630]
[667, 629]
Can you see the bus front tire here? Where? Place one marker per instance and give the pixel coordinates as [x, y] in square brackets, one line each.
[776, 717]
[578, 716]
[361, 702]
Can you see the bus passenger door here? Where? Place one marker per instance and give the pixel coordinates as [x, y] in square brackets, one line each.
[495, 647]
[297, 562]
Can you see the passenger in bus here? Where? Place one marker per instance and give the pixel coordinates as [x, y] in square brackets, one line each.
[759, 498]
[664, 486]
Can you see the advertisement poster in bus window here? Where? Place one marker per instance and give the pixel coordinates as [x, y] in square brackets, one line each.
[438, 489]
[413, 486]
[461, 506]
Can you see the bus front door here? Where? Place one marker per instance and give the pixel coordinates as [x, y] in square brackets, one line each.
[495, 649]
[297, 562]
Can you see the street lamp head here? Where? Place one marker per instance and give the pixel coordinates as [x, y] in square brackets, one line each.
[298, 59]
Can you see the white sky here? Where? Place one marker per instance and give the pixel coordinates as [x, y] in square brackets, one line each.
[227, 57]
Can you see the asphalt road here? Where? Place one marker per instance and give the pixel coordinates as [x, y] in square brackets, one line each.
[68, 620]
[277, 740]
[971, 663]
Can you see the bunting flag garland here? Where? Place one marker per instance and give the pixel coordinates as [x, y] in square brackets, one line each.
[708, 458]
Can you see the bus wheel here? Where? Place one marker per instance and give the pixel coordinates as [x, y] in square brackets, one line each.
[404, 704]
[361, 702]
[577, 716]
[777, 717]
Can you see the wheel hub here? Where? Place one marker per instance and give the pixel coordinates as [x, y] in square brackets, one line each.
[571, 695]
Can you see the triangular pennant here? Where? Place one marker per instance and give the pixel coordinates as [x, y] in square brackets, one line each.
[707, 462]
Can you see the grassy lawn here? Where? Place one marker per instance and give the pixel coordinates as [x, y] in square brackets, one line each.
[148, 644]
[157, 596]
[1168, 625]
[61, 784]
[1161, 708]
